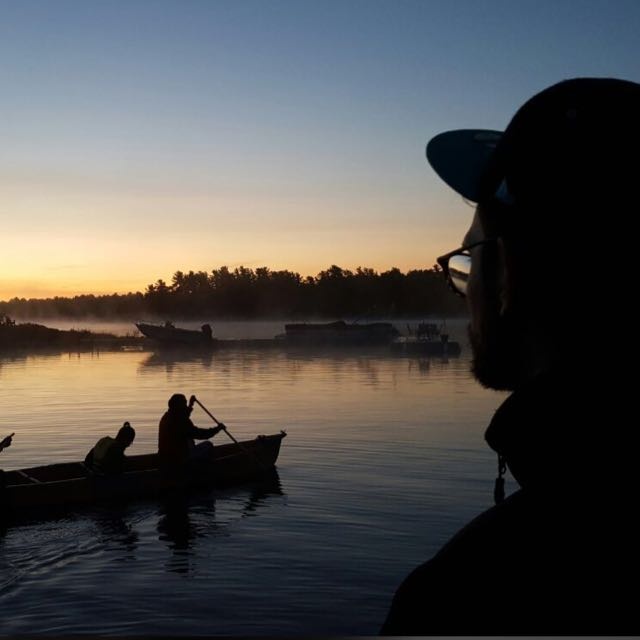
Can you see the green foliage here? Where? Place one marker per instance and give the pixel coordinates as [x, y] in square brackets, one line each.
[259, 293]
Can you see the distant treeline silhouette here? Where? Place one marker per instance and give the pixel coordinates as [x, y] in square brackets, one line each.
[259, 293]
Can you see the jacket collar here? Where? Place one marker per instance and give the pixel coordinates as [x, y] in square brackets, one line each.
[549, 429]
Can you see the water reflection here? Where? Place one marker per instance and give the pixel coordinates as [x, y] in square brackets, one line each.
[168, 359]
[422, 365]
[115, 528]
[184, 519]
[179, 529]
[339, 364]
[20, 357]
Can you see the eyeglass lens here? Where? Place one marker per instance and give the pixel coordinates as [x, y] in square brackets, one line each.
[459, 269]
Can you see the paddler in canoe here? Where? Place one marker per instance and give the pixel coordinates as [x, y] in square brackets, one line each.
[107, 457]
[176, 435]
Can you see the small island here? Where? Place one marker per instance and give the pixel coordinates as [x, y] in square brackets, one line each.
[31, 336]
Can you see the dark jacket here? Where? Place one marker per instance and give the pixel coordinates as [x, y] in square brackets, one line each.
[556, 557]
[176, 434]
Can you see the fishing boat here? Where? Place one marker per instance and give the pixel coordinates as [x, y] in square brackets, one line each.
[338, 333]
[167, 334]
[428, 339]
[72, 483]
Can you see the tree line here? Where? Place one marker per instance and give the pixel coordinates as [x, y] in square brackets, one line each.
[248, 293]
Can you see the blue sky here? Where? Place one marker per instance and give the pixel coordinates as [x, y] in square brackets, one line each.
[143, 137]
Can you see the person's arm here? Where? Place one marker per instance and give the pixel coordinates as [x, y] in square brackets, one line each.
[6, 442]
[202, 434]
[218, 429]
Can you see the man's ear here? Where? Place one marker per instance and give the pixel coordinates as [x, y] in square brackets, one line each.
[505, 278]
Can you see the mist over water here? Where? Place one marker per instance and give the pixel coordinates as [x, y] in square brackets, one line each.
[240, 329]
[384, 460]
[224, 329]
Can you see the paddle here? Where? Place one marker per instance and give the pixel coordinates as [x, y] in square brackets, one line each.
[224, 428]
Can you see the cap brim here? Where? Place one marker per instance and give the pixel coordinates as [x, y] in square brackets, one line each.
[461, 157]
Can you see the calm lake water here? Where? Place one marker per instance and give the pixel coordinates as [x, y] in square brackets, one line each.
[384, 461]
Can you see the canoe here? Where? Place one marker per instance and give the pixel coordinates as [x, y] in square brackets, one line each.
[170, 335]
[71, 483]
[339, 333]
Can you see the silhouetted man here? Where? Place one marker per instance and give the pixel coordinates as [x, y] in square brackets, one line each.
[177, 433]
[549, 250]
[108, 454]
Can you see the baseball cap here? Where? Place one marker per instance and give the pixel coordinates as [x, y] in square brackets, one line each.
[577, 137]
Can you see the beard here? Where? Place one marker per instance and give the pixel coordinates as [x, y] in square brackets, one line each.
[496, 347]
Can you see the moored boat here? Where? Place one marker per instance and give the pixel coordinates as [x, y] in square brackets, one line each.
[428, 339]
[339, 333]
[72, 483]
[167, 334]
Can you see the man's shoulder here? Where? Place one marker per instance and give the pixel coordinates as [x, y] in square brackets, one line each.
[500, 531]
[166, 420]
[171, 418]
[523, 556]
[104, 443]
[464, 569]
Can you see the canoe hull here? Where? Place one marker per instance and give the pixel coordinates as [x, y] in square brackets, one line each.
[71, 483]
